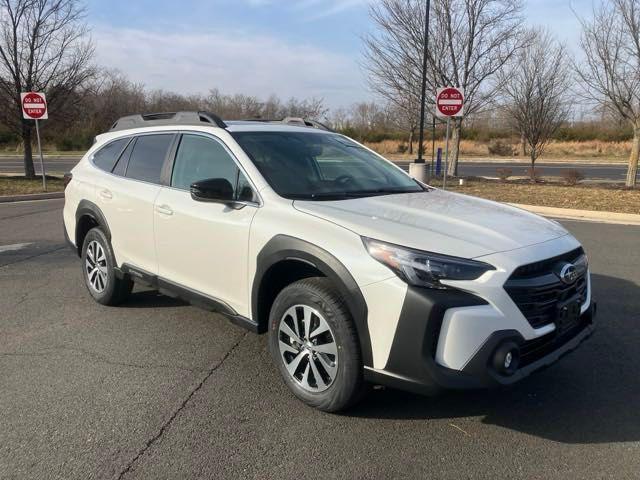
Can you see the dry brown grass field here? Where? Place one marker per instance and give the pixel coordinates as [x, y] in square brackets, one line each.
[605, 198]
[22, 186]
[591, 149]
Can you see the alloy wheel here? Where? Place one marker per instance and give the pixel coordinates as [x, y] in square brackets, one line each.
[96, 267]
[308, 348]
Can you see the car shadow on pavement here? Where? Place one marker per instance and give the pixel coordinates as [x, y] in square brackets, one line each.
[589, 396]
[144, 298]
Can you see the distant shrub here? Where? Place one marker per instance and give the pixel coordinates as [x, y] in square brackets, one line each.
[8, 138]
[403, 148]
[504, 173]
[594, 131]
[74, 142]
[572, 176]
[500, 148]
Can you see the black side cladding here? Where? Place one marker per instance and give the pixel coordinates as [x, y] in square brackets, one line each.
[85, 207]
[412, 355]
[284, 247]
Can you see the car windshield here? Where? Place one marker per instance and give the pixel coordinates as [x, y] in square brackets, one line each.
[322, 166]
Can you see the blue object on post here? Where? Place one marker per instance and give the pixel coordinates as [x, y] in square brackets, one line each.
[439, 161]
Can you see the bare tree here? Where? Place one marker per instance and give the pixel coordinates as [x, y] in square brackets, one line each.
[536, 84]
[611, 71]
[393, 58]
[43, 47]
[470, 42]
[406, 117]
[241, 106]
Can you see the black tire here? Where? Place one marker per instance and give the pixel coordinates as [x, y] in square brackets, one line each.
[347, 386]
[111, 290]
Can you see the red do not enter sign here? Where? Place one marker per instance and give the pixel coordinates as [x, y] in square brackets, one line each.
[34, 106]
[450, 102]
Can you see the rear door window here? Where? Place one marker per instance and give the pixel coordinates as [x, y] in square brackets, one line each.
[148, 156]
[107, 156]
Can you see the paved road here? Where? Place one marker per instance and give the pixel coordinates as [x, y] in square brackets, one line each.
[157, 389]
[594, 172]
[616, 173]
[51, 165]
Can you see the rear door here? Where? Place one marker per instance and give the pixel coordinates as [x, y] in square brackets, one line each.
[127, 197]
[203, 246]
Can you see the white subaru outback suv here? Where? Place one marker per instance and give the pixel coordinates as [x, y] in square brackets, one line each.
[357, 272]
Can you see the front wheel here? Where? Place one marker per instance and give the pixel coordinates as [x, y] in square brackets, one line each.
[314, 343]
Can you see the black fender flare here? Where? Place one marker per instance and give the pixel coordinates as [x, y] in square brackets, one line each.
[87, 208]
[284, 247]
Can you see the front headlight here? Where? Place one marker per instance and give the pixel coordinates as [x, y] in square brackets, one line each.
[424, 269]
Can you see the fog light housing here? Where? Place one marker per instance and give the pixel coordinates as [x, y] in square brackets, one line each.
[506, 358]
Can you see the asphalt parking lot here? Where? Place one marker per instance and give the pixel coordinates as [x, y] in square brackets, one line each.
[158, 389]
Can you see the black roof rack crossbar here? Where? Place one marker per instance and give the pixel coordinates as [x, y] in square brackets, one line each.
[167, 118]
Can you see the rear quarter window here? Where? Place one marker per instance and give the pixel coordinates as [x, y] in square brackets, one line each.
[106, 158]
[148, 156]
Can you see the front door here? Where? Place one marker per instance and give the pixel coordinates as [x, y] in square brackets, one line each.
[203, 246]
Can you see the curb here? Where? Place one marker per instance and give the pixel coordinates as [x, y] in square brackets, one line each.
[31, 196]
[584, 215]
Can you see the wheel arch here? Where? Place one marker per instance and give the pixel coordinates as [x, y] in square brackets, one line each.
[284, 254]
[88, 216]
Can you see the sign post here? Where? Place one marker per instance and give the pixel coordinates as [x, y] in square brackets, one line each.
[449, 103]
[34, 107]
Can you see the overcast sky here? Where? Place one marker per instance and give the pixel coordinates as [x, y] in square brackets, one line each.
[299, 48]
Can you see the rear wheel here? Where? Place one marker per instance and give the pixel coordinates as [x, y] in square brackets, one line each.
[98, 269]
[315, 345]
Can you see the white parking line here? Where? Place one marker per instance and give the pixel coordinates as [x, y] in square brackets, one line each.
[14, 247]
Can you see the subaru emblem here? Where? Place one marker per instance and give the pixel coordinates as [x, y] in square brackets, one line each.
[568, 273]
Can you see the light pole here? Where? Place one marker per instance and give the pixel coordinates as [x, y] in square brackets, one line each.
[419, 170]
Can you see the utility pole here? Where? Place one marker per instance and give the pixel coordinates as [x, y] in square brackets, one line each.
[418, 168]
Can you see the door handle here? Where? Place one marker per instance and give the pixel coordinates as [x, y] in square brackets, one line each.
[106, 194]
[164, 210]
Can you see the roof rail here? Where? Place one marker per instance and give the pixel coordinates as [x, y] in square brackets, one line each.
[297, 121]
[304, 122]
[167, 118]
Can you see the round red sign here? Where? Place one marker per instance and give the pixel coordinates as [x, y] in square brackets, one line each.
[34, 105]
[450, 101]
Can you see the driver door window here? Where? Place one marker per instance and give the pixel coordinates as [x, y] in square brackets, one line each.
[201, 158]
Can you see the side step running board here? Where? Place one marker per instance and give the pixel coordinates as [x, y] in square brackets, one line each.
[192, 297]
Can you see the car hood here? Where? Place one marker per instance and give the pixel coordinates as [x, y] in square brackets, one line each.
[438, 221]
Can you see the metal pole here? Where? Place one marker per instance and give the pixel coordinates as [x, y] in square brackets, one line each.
[433, 143]
[424, 82]
[446, 157]
[44, 175]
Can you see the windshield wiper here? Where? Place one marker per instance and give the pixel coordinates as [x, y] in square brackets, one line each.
[348, 195]
[318, 195]
[380, 191]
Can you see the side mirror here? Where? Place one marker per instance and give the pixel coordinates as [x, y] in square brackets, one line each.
[218, 190]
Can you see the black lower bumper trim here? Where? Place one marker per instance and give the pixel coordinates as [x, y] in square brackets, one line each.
[412, 366]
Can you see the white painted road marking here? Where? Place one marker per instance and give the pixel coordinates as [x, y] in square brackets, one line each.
[13, 248]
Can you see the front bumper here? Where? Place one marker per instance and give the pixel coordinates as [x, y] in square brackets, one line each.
[412, 363]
